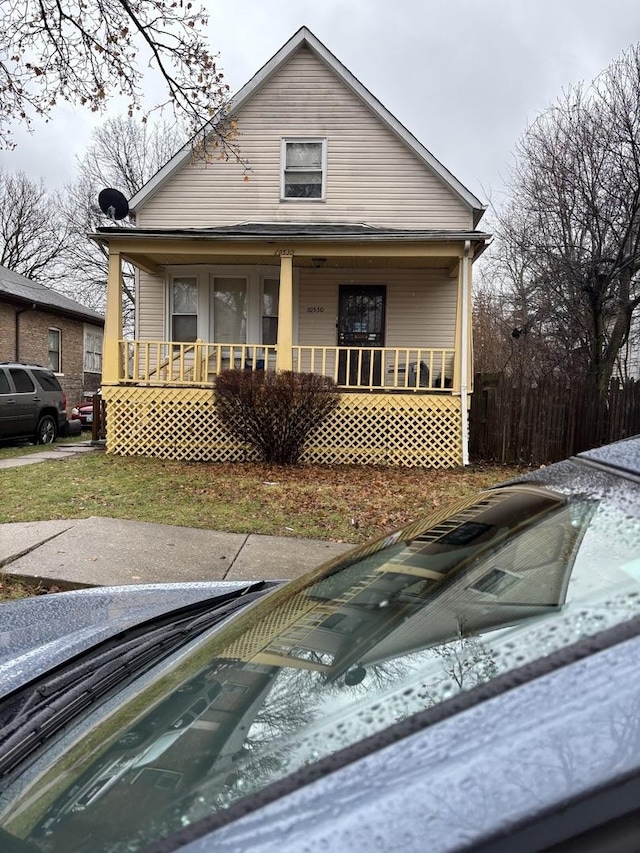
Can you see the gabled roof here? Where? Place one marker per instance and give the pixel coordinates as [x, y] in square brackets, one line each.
[305, 38]
[20, 289]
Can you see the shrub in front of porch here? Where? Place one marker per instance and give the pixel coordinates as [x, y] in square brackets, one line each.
[276, 413]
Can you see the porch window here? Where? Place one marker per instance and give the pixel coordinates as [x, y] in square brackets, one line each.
[53, 345]
[229, 310]
[303, 168]
[270, 297]
[184, 309]
[93, 352]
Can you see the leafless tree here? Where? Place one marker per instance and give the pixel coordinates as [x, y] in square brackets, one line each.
[85, 51]
[124, 153]
[569, 241]
[514, 315]
[491, 324]
[32, 233]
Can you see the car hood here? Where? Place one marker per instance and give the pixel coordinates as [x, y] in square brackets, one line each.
[40, 633]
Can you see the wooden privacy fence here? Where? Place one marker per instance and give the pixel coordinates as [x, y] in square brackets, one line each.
[513, 420]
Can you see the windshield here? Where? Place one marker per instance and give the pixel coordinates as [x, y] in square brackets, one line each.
[324, 662]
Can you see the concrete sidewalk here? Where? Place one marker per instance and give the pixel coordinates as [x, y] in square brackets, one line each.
[51, 451]
[108, 551]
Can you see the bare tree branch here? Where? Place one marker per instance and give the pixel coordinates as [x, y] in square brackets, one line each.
[85, 52]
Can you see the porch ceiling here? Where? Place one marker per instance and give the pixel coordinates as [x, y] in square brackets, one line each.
[157, 260]
[369, 248]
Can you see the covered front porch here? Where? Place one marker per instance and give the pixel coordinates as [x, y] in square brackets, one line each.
[385, 314]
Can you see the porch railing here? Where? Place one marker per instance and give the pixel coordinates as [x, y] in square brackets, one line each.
[410, 368]
[384, 368]
[170, 362]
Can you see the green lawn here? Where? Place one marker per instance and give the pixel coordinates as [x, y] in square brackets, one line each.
[341, 503]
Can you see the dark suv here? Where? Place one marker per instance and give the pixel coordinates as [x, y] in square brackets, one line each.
[32, 403]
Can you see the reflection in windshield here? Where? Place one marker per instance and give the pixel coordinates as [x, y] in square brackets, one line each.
[316, 666]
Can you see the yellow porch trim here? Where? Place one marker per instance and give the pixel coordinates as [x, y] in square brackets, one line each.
[113, 321]
[367, 429]
[155, 249]
[285, 316]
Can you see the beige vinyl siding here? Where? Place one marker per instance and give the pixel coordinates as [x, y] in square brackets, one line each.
[420, 311]
[151, 307]
[421, 306]
[371, 176]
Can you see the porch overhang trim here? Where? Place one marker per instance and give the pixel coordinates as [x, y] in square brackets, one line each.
[148, 252]
[146, 248]
[104, 235]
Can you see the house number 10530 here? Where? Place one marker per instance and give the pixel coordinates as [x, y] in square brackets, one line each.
[315, 309]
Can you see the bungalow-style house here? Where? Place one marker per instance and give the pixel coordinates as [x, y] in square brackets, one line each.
[40, 326]
[340, 246]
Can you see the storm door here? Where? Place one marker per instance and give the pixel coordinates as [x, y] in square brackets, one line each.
[361, 324]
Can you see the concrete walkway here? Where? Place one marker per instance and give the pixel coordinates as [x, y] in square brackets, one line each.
[108, 551]
[112, 551]
[53, 451]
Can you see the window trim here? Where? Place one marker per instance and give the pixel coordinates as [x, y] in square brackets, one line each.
[58, 332]
[96, 354]
[286, 140]
[172, 313]
[203, 272]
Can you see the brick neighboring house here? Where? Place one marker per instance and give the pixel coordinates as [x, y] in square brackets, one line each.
[44, 327]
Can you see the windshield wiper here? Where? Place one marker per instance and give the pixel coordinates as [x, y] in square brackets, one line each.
[33, 714]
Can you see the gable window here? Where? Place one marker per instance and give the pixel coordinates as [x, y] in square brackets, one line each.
[53, 345]
[184, 309]
[303, 168]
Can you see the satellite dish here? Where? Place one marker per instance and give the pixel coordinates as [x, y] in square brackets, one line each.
[113, 204]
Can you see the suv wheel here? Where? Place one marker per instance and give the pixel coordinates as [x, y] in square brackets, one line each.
[46, 430]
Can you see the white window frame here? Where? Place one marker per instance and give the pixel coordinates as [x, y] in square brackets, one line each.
[204, 273]
[171, 313]
[93, 354]
[264, 316]
[49, 350]
[287, 140]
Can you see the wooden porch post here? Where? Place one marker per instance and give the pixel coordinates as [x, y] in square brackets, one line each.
[457, 367]
[113, 322]
[284, 360]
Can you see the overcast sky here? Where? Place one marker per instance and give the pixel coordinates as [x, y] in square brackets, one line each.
[464, 76]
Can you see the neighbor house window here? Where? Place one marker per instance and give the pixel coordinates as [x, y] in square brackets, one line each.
[53, 343]
[303, 168]
[229, 310]
[93, 352]
[270, 296]
[184, 309]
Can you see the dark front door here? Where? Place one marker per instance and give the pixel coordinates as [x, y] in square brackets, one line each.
[361, 321]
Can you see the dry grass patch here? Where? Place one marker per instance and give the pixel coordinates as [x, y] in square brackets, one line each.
[339, 503]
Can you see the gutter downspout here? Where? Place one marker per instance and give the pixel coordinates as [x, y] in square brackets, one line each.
[17, 313]
[464, 353]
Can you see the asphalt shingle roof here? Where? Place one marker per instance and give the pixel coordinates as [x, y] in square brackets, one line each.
[301, 231]
[19, 287]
